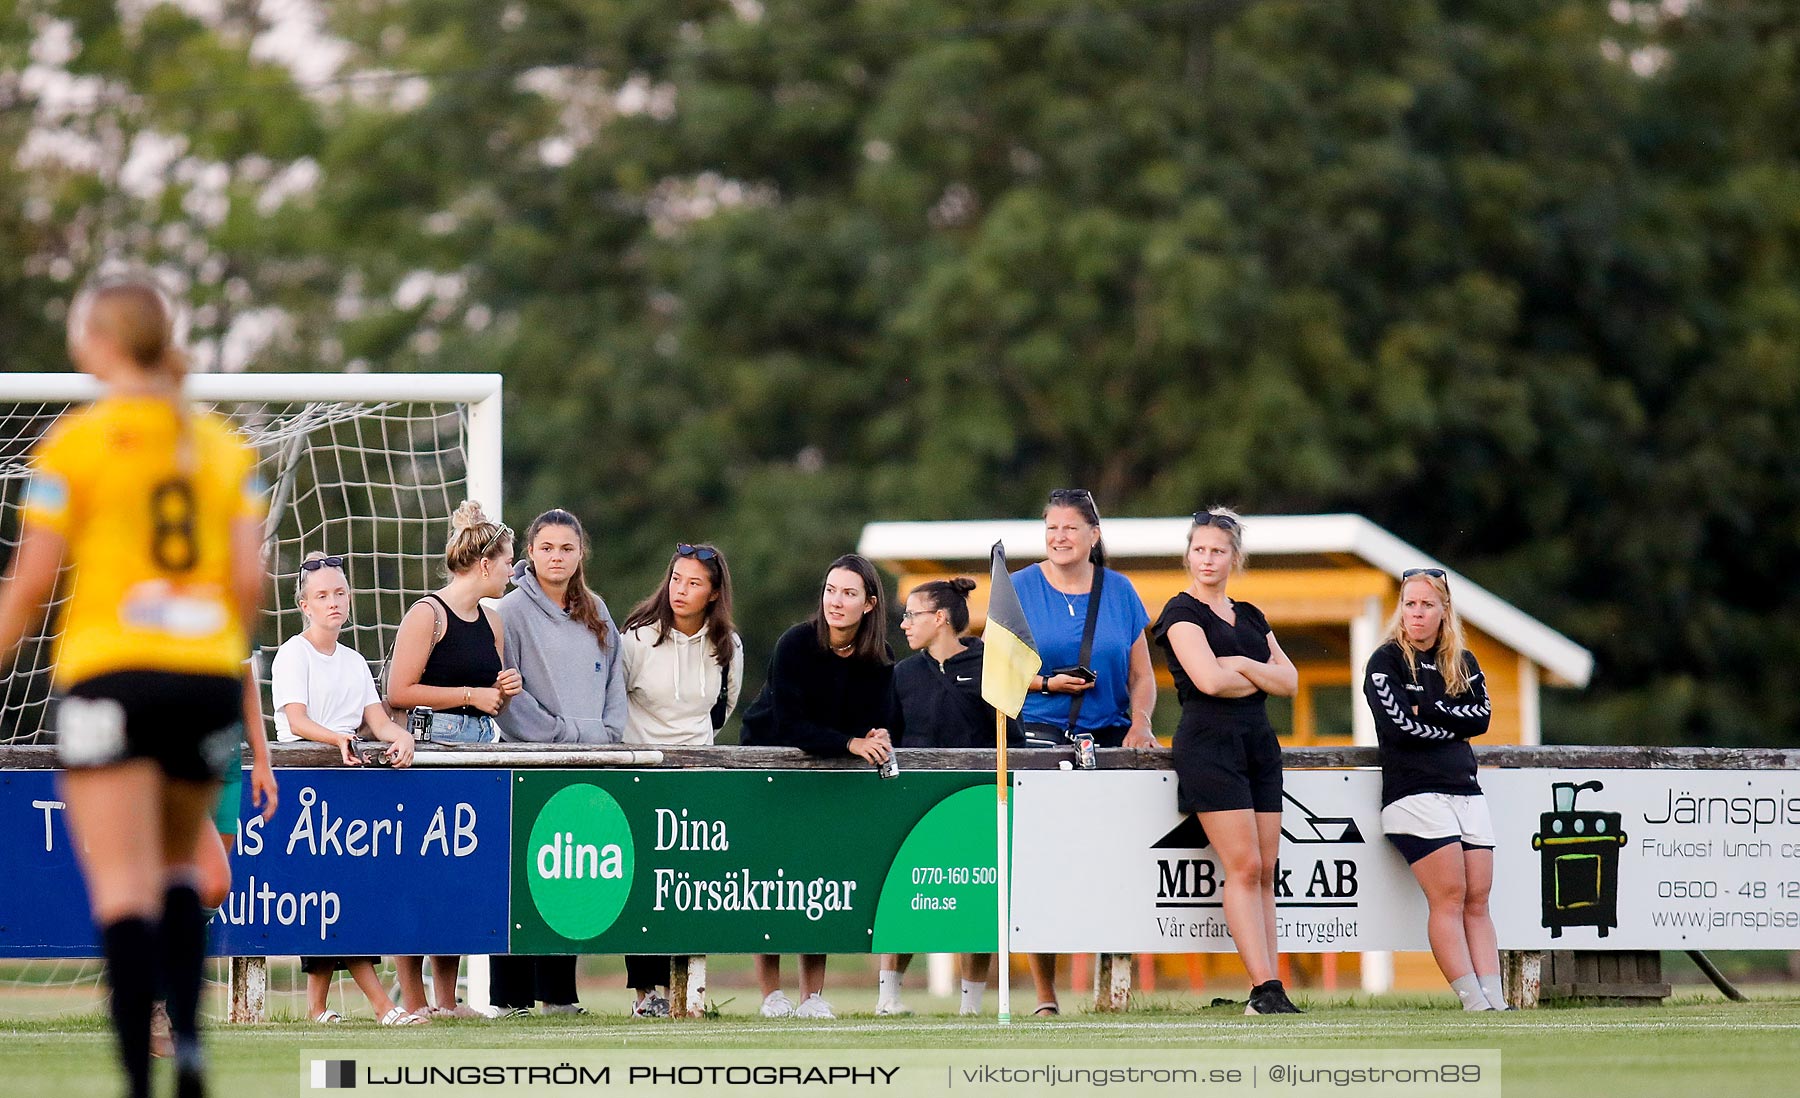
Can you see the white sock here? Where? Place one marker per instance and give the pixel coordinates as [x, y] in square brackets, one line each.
[890, 986]
[1468, 989]
[972, 991]
[1493, 992]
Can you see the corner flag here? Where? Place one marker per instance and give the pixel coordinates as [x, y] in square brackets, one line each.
[1010, 659]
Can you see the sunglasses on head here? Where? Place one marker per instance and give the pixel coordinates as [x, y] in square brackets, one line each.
[502, 532]
[1070, 493]
[1434, 573]
[321, 562]
[1207, 518]
[698, 552]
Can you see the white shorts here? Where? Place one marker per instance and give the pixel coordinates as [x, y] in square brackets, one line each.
[1440, 816]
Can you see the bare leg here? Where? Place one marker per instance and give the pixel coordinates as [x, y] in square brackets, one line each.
[117, 829]
[1237, 838]
[1043, 976]
[768, 973]
[213, 866]
[1440, 874]
[896, 962]
[975, 966]
[410, 972]
[812, 974]
[1478, 924]
[1268, 834]
[370, 985]
[443, 981]
[318, 993]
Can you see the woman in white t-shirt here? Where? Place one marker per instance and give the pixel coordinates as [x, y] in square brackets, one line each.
[323, 691]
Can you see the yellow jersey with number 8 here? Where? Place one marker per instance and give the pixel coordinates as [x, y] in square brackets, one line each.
[147, 542]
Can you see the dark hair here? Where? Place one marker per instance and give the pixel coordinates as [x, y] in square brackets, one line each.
[1082, 500]
[655, 609]
[583, 605]
[870, 642]
[950, 596]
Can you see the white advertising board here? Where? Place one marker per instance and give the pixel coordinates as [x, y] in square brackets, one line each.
[1644, 859]
[1698, 859]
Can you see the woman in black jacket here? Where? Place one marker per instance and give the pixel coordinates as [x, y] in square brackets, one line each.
[1426, 692]
[827, 693]
[937, 703]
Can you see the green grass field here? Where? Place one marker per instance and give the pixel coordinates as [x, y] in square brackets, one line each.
[1694, 1044]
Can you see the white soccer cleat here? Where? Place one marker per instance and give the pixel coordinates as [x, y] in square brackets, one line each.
[815, 1006]
[777, 1005]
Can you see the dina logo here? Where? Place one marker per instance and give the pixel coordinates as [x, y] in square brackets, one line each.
[333, 1074]
[580, 861]
[1196, 882]
[1579, 856]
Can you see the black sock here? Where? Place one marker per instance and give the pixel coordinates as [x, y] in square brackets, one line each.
[183, 957]
[130, 945]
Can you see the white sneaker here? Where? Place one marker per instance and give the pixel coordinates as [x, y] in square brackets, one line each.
[815, 1006]
[891, 1008]
[777, 1005]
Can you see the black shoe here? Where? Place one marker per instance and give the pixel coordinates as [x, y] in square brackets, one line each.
[1269, 998]
[189, 1083]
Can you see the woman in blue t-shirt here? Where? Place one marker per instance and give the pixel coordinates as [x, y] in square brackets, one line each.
[1112, 695]
[1225, 662]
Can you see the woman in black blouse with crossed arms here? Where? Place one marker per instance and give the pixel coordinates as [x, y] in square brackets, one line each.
[1225, 662]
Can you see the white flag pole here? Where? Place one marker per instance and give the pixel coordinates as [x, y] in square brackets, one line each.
[1003, 865]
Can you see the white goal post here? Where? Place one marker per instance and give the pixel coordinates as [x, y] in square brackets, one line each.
[366, 465]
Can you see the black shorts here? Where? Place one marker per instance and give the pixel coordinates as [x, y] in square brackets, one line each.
[187, 724]
[1226, 765]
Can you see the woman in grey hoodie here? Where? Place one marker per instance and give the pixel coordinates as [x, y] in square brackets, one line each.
[566, 649]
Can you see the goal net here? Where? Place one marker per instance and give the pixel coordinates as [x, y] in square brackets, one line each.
[368, 467]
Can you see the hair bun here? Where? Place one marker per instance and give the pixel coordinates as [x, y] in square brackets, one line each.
[468, 513]
[963, 584]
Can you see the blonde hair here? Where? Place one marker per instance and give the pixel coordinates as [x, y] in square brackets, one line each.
[1231, 523]
[473, 538]
[300, 580]
[1451, 647]
[135, 313]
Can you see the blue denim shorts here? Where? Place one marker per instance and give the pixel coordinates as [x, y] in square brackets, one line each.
[463, 728]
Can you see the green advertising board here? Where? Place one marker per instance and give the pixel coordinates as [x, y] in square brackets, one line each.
[619, 861]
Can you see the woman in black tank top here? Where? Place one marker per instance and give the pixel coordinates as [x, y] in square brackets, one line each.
[448, 656]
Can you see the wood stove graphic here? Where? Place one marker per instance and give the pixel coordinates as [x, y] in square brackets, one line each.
[1580, 859]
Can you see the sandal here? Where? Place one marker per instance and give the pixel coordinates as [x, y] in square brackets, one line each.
[328, 1017]
[399, 1016]
[1046, 1010]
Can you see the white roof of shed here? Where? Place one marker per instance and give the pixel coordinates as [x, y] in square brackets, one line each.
[1264, 535]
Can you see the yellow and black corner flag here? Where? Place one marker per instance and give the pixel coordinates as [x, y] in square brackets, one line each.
[1010, 659]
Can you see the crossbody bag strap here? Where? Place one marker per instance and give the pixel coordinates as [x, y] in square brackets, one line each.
[1087, 641]
[438, 627]
[718, 709]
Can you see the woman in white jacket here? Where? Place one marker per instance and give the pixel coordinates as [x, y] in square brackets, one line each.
[684, 669]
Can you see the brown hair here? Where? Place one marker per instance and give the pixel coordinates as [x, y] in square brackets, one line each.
[870, 642]
[1081, 500]
[582, 604]
[950, 596]
[1450, 643]
[655, 609]
[473, 538]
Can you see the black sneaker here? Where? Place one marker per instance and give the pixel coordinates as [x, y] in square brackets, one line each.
[1269, 998]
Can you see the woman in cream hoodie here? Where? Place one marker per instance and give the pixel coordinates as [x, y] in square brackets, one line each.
[684, 668]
